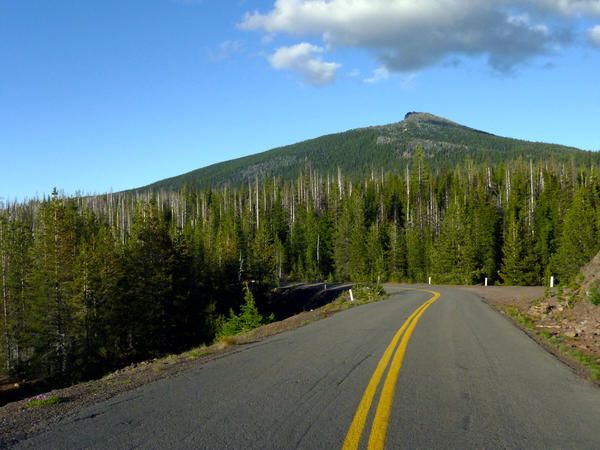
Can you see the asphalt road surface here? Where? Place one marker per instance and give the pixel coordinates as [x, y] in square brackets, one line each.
[461, 376]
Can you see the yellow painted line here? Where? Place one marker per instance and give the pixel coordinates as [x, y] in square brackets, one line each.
[357, 426]
[384, 408]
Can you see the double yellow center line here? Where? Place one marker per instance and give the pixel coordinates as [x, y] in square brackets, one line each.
[386, 399]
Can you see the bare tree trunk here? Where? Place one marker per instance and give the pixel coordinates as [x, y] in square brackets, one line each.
[257, 207]
[318, 246]
[408, 221]
[531, 197]
[507, 184]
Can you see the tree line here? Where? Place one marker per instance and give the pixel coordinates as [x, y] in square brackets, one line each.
[89, 284]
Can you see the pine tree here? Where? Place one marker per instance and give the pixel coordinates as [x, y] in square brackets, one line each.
[453, 259]
[578, 242]
[375, 255]
[396, 253]
[417, 254]
[52, 320]
[148, 297]
[486, 238]
[262, 261]
[98, 277]
[342, 240]
[357, 262]
[6, 332]
[16, 268]
[519, 264]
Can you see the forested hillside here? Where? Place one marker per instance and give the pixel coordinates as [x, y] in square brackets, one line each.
[88, 284]
[378, 149]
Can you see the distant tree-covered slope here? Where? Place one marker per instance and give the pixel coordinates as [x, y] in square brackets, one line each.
[385, 148]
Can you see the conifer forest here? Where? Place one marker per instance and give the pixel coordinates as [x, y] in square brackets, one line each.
[92, 283]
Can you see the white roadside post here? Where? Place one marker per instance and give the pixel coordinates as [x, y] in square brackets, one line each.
[486, 281]
[429, 280]
[552, 281]
[351, 296]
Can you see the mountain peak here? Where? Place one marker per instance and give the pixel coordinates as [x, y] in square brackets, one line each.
[414, 114]
[425, 117]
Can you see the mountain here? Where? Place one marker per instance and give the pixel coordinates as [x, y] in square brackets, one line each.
[389, 147]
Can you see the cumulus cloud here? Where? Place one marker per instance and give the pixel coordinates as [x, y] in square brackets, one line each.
[408, 35]
[303, 58]
[594, 35]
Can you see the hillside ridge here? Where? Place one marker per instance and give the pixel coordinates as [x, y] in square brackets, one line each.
[382, 147]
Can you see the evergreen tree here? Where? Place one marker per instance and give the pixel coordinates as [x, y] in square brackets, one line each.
[417, 254]
[519, 264]
[357, 261]
[52, 321]
[396, 253]
[148, 297]
[486, 238]
[342, 239]
[375, 255]
[92, 283]
[578, 241]
[453, 259]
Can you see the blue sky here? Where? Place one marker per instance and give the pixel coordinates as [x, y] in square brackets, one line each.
[114, 94]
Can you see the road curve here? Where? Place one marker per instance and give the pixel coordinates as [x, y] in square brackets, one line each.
[468, 379]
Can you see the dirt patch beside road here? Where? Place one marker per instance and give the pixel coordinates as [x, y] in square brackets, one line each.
[508, 295]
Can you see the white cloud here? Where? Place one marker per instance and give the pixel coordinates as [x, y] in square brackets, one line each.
[303, 58]
[226, 49]
[408, 35]
[594, 35]
[379, 74]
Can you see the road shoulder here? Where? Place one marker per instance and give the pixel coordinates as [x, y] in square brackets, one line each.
[569, 331]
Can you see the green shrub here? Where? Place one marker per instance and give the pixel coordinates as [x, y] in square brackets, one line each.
[368, 293]
[248, 319]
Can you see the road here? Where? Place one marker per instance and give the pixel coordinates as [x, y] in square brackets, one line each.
[468, 379]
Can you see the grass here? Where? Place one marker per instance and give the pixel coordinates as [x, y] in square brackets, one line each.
[585, 359]
[196, 353]
[43, 400]
[522, 319]
[595, 296]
